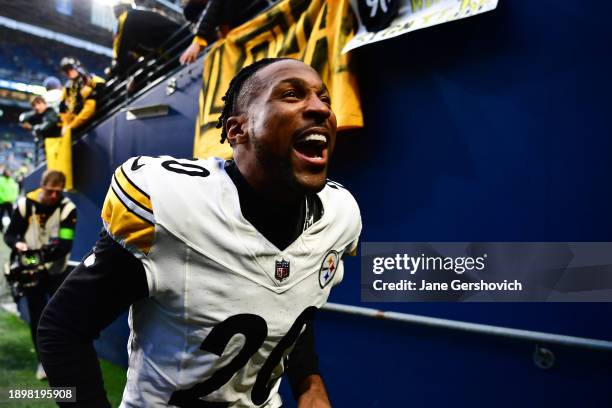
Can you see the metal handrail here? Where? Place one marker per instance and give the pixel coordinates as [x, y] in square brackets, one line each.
[151, 68]
[115, 93]
[486, 329]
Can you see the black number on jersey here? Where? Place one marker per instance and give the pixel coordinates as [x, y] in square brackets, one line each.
[183, 168]
[255, 331]
[264, 383]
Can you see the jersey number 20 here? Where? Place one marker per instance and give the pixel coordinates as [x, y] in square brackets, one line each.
[255, 331]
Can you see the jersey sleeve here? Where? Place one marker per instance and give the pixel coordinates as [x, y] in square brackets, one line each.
[351, 250]
[127, 212]
[352, 210]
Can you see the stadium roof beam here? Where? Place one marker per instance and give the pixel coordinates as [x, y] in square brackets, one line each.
[55, 36]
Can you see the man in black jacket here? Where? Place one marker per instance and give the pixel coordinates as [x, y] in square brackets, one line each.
[43, 120]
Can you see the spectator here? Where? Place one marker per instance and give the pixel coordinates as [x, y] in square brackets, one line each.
[43, 224]
[8, 194]
[54, 93]
[80, 94]
[43, 120]
[214, 18]
[139, 32]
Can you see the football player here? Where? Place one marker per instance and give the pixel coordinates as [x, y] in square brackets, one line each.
[224, 263]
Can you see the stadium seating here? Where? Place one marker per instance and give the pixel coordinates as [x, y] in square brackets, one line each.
[42, 13]
[16, 148]
[27, 58]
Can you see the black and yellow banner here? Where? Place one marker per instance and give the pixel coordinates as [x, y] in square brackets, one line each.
[58, 151]
[312, 31]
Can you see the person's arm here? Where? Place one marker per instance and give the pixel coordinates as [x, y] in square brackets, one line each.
[93, 295]
[314, 394]
[89, 108]
[193, 9]
[48, 127]
[209, 20]
[28, 119]
[303, 373]
[16, 230]
[90, 94]
[205, 29]
[193, 51]
[63, 108]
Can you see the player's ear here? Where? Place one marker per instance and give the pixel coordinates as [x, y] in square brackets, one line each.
[236, 127]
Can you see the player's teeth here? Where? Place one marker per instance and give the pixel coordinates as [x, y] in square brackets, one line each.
[315, 137]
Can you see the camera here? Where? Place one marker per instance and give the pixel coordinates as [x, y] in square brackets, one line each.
[25, 271]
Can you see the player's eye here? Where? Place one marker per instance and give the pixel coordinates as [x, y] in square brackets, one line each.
[290, 93]
[325, 99]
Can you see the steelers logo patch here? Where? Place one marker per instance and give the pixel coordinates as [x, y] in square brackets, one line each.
[328, 268]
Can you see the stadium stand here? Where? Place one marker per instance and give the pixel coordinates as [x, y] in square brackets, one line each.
[16, 150]
[27, 57]
[44, 13]
[30, 59]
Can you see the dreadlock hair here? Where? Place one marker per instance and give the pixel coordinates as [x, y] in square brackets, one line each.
[235, 87]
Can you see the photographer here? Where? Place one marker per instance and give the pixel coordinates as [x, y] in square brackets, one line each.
[40, 236]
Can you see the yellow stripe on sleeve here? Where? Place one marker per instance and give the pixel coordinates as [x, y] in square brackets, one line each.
[133, 192]
[129, 229]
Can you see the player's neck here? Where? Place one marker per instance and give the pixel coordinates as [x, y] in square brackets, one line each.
[261, 190]
[280, 221]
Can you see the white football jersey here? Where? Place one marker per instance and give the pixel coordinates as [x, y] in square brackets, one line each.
[225, 305]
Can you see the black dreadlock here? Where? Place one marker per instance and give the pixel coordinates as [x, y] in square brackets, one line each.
[233, 91]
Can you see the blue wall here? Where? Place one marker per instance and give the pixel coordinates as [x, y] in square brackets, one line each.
[493, 128]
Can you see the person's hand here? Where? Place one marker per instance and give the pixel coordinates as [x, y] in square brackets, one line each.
[315, 395]
[190, 54]
[309, 400]
[313, 399]
[21, 246]
[26, 125]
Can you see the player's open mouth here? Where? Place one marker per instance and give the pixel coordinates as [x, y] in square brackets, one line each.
[312, 149]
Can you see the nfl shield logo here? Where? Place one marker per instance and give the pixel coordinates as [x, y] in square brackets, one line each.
[282, 270]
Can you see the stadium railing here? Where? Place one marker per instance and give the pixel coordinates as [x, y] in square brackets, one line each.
[142, 76]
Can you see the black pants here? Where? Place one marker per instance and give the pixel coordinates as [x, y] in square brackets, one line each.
[37, 298]
[143, 31]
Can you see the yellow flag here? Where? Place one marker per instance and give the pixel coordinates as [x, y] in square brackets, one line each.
[312, 31]
[58, 151]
